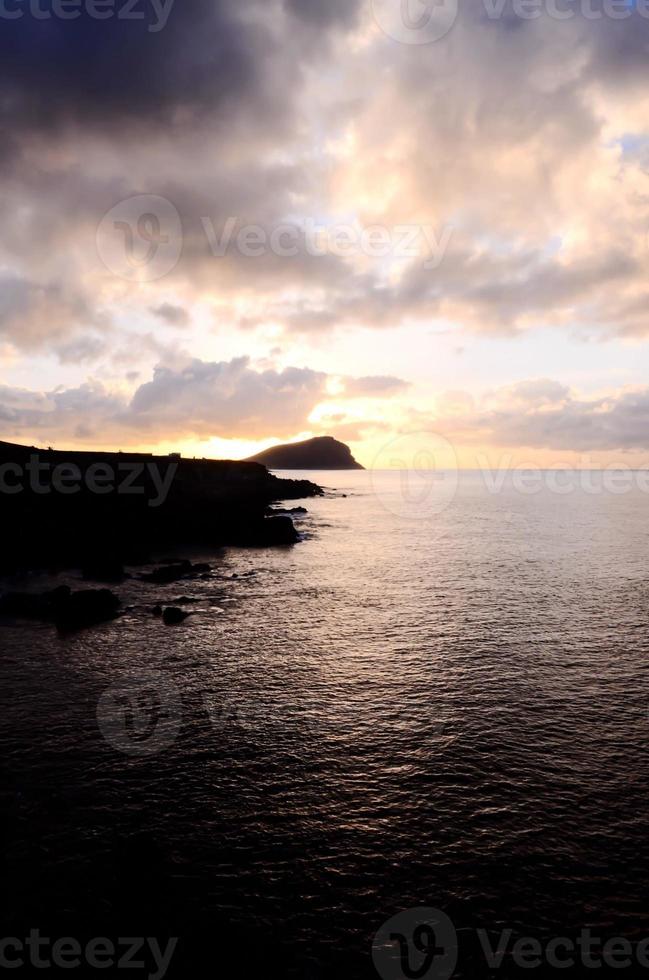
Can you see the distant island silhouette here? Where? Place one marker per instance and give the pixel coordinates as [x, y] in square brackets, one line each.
[321, 453]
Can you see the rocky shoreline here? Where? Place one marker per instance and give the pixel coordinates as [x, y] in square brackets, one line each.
[101, 511]
[75, 599]
[69, 609]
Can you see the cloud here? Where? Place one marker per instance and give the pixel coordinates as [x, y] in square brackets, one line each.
[525, 138]
[84, 349]
[544, 414]
[374, 387]
[520, 161]
[175, 316]
[33, 312]
[322, 15]
[226, 399]
[205, 113]
[122, 72]
[231, 399]
[352, 431]
[58, 414]
[194, 399]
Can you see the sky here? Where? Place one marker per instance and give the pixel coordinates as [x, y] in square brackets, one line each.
[231, 223]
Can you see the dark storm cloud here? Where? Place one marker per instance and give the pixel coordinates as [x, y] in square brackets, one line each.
[617, 44]
[118, 71]
[177, 63]
[323, 14]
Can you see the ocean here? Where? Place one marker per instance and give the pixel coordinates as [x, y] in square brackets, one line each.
[437, 700]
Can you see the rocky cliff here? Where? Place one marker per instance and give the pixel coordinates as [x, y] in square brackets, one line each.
[60, 508]
[321, 453]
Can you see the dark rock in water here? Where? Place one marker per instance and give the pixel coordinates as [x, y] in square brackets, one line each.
[104, 570]
[267, 533]
[86, 608]
[172, 616]
[157, 611]
[166, 574]
[184, 600]
[293, 489]
[68, 610]
[277, 530]
[34, 605]
[201, 568]
[133, 553]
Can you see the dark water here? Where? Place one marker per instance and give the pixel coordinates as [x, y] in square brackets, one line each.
[415, 707]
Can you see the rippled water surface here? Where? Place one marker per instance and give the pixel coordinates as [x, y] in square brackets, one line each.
[410, 708]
